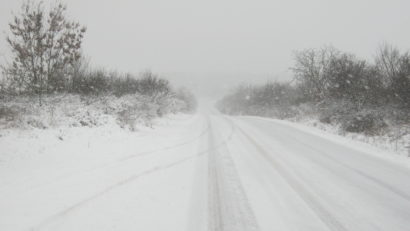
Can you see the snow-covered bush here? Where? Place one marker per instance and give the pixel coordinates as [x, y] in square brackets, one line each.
[333, 111]
[73, 110]
[338, 88]
[272, 99]
[9, 113]
[188, 99]
[369, 123]
[137, 110]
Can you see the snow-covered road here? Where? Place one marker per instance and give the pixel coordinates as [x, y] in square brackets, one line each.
[209, 172]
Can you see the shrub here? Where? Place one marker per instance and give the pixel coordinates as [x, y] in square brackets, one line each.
[151, 85]
[8, 113]
[364, 122]
[95, 82]
[188, 98]
[333, 111]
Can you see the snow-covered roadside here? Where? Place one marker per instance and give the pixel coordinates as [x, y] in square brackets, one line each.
[54, 153]
[22, 144]
[391, 141]
[79, 125]
[45, 176]
[358, 142]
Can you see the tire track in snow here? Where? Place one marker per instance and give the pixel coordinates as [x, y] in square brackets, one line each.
[197, 214]
[203, 133]
[85, 201]
[229, 209]
[306, 195]
[120, 160]
[380, 183]
[65, 212]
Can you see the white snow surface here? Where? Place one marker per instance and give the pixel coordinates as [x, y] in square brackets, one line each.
[396, 141]
[199, 172]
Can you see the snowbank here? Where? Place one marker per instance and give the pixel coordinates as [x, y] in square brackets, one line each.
[61, 111]
[396, 140]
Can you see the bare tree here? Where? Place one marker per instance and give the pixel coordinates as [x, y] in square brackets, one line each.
[151, 85]
[388, 62]
[44, 45]
[311, 67]
[395, 68]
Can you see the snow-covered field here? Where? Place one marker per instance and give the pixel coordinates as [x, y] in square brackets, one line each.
[45, 180]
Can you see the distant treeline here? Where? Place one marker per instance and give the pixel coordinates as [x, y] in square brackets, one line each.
[338, 86]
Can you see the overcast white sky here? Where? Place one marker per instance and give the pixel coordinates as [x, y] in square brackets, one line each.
[216, 38]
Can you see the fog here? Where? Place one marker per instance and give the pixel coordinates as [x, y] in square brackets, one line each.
[226, 42]
[213, 115]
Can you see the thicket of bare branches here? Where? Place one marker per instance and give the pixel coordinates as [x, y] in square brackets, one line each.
[341, 87]
[46, 59]
[47, 66]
